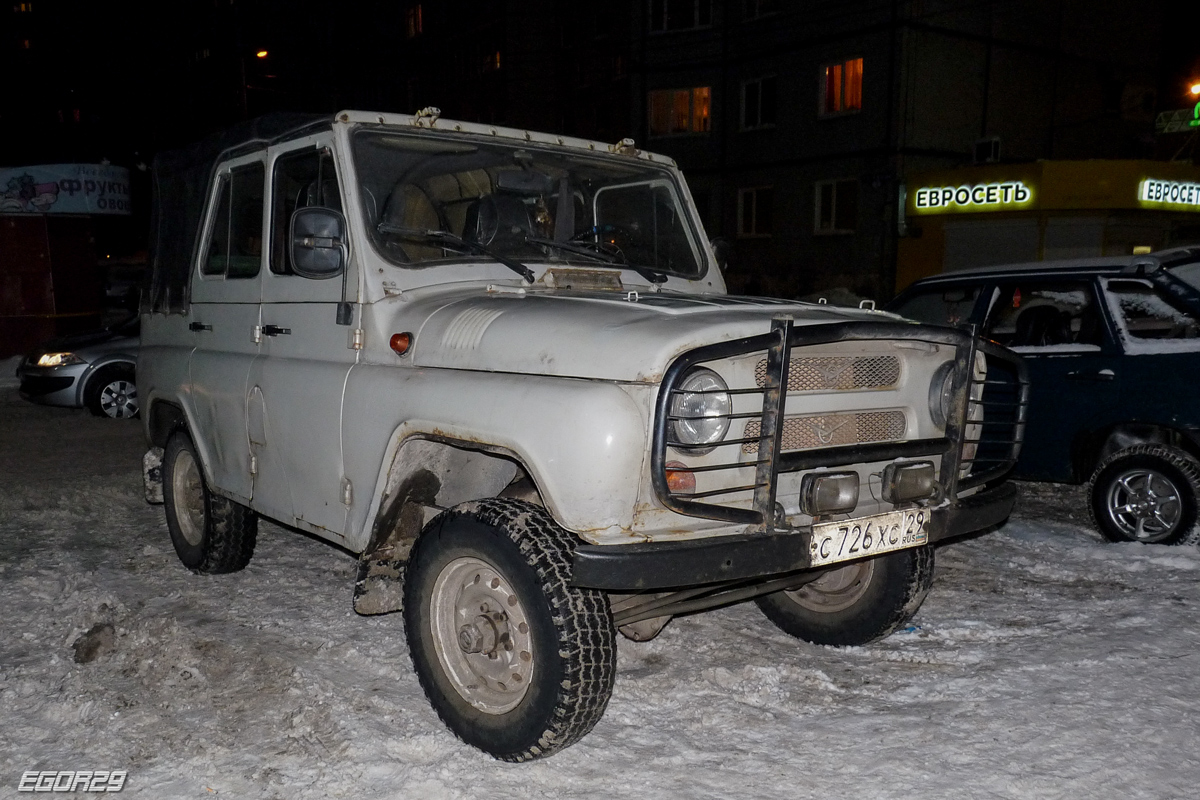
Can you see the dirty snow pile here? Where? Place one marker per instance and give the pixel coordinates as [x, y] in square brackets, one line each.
[1045, 664]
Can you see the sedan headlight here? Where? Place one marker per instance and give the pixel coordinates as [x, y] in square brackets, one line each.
[58, 360]
[700, 411]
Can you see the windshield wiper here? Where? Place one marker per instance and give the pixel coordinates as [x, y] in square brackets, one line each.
[453, 242]
[587, 250]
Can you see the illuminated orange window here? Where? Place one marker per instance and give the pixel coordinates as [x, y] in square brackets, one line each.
[841, 88]
[675, 111]
[412, 21]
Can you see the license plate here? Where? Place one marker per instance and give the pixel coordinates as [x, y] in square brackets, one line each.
[868, 536]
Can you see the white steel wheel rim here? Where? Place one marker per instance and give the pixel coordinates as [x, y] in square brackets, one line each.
[187, 491]
[481, 635]
[836, 589]
[1144, 504]
[118, 399]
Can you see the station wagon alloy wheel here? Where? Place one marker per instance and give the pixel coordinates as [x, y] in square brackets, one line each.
[1147, 493]
[1144, 504]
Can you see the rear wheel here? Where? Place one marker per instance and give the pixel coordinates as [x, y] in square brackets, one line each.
[211, 534]
[112, 393]
[515, 660]
[1147, 493]
[856, 603]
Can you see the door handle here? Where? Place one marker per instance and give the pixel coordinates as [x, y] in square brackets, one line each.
[1099, 375]
[199, 326]
[275, 330]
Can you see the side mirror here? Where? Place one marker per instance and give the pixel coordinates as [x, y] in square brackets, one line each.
[318, 242]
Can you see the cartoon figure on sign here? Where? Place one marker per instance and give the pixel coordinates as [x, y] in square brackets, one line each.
[23, 195]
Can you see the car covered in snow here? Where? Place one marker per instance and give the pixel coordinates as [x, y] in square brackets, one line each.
[1110, 345]
[95, 370]
[501, 367]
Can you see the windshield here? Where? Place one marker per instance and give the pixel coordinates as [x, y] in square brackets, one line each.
[522, 203]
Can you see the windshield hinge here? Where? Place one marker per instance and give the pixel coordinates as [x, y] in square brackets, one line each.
[347, 492]
[257, 334]
[357, 337]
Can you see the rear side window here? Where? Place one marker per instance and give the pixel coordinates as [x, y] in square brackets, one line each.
[1146, 313]
[940, 306]
[1037, 314]
[235, 244]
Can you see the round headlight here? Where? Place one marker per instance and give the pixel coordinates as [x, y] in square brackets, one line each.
[941, 391]
[700, 410]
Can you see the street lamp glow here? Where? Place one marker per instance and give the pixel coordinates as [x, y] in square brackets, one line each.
[263, 54]
[1195, 89]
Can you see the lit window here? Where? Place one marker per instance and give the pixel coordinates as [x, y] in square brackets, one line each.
[412, 21]
[758, 103]
[841, 87]
[754, 211]
[680, 110]
[760, 8]
[491, 62]
[679, 15]
[23, 8]
[26, 44]
[837, 206]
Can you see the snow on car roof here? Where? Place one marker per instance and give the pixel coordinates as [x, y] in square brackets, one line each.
[1099, 264]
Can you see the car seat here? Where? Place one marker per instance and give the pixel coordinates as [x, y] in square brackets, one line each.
[1039, 326]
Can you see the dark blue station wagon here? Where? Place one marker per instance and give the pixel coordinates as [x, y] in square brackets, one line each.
[1113, 351]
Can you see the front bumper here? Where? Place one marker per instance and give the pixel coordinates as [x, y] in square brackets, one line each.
[662, 565]
[49, 386]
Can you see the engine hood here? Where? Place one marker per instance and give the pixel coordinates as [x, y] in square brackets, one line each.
[598, 335]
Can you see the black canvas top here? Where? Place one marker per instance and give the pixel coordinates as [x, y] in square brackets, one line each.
[180, 184]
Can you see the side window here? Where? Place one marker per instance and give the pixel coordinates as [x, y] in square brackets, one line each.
[303, 179]
[940, 306]
[1037, 314]
[235, 244]
[1145, 313]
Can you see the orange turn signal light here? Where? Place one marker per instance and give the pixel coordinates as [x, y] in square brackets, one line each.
[680, 479]
[401, 342]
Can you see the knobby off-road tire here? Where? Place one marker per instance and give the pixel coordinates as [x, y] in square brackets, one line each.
[211, 534]
[857, 603]
[515, 660]
[1147, 493]
[112, 392]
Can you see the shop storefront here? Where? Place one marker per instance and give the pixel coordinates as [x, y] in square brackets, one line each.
[1007, 213]
[49, 281]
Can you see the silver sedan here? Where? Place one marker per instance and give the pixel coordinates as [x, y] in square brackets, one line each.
[89, 370]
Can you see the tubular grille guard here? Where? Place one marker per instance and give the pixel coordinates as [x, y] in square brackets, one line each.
[996, 444]
[1001, 397]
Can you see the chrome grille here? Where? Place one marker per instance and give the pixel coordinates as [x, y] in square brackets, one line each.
[836, 373]
[831, 430]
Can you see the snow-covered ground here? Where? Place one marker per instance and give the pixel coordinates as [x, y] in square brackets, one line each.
[1045, 664]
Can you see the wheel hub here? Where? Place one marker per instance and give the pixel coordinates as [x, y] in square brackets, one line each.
[482, 635]
[1144, 504]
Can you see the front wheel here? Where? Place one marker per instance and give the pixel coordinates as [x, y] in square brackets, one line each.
[515, 660]
[1147, 493]
[112, 393]
[856, 603]
[211, 534]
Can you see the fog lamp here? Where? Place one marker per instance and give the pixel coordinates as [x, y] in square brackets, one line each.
[828, 492]
[909, 481]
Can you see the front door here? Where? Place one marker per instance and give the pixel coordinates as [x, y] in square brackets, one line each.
[1074, 366]
[295, 386]
[223, 320]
